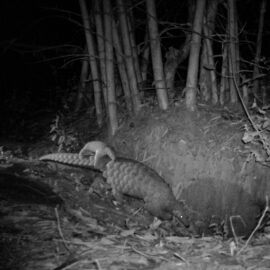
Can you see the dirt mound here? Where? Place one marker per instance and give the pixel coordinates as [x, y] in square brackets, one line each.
[202, 157]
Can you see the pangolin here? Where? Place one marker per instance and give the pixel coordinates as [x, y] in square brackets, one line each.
[99, 148]
[133, 178]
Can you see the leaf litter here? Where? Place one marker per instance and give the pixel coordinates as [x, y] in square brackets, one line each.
[91, 232]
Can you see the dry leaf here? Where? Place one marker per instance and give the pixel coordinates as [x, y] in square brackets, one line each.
[127, 232]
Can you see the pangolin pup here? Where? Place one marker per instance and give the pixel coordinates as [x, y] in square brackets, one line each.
[100, 149]
[133, 178]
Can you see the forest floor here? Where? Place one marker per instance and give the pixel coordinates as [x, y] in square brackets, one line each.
[59, 217]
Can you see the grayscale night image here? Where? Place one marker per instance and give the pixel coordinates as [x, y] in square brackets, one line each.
[134, 134]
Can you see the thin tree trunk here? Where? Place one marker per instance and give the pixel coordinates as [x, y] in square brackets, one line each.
[204, 80]
[237, 52]
[110, 66]
[156, 55]
[182, 53]
[232, 51]
[82, 84]
[259, 46]
[245, 90]
[193, 64]
[185, 48]
[207, 75]
[224, 74]
[121, 67]
[134, 53]
[170, 69]
[131, 24]
[92, 61]
[145, 62]
[101, 48]
[211, 62]
[145, 56]
[128, 57]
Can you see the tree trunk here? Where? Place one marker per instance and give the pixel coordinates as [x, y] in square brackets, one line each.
[170, 69]
[185, 48]
[207, 75]
[224, 74]
[211, 63]
[121, 67]
[134, 53]
[128, 57]
[245, 90]
[192, 74]
[259, 47]
[204, 80]
[130, 21]
[101, 48]
[145, 57]
[92, 61]
[237, 52]
[156, 55]
[83, 79]
[110, 66]
[232, 51]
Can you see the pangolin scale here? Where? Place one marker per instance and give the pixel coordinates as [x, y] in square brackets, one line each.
[133, 178]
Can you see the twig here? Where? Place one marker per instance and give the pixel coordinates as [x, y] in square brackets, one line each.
[96, 261]
[124, 246]
[257, 227]
[60, 230]
[177, 255]
[148, 255]
[233, 231]
[66, 265]
[69, 263]
[232, 227]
